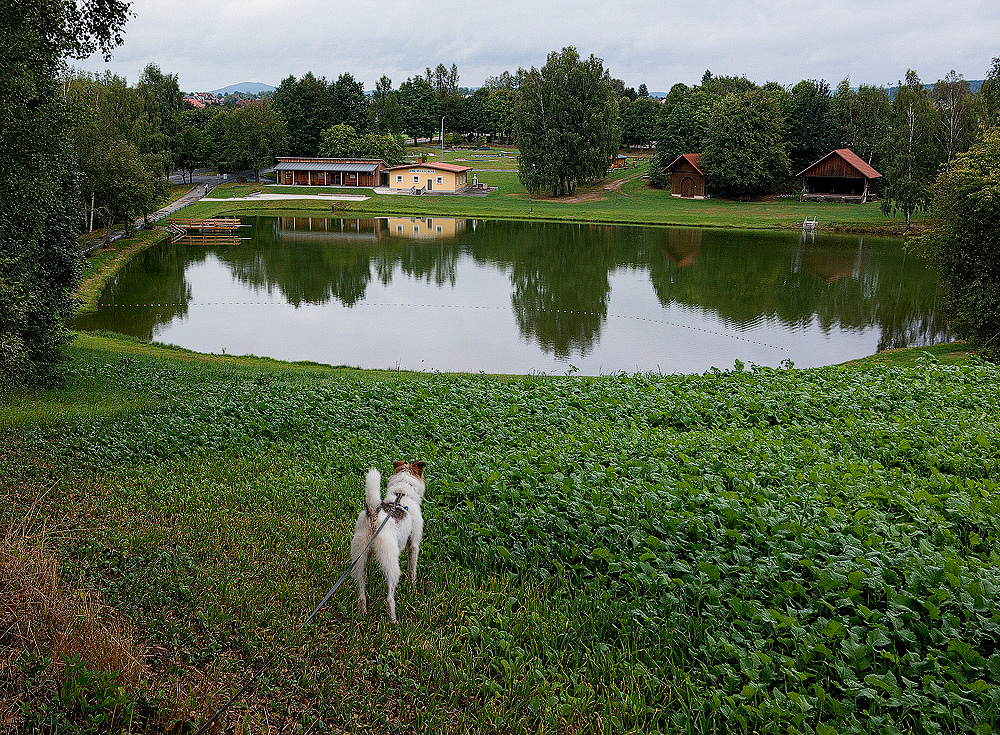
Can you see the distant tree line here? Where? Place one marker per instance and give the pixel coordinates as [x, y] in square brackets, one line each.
[84, 150]
[754, 138]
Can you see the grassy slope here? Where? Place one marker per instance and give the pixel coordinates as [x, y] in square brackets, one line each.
[601, 554]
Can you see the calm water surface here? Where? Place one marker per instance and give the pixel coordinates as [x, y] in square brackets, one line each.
[517, 297]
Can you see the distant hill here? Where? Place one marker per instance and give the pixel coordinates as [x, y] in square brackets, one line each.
[974, 85]
[247, 87]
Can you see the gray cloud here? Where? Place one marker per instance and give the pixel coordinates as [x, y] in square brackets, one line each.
[211, 44]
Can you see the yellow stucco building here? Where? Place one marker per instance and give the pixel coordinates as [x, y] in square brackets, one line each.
[430, 177]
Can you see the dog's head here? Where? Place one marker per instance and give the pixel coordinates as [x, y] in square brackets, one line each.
[414, 468]
[410, 475]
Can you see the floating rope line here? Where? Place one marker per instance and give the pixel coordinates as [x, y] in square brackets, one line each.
[468, 306]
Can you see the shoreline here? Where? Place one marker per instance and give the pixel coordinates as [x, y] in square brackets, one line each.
[109, 261]
[266, 208]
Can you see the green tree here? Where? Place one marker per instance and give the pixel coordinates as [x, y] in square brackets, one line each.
[350, 105]
[638, 120]
[111, 118]
[810, 129]
[501, 113]
[964, 241]
[251, 136]
[196, 150]
[339, 141]
[567, 123]
[127, 183]
[419, 104]
[39, 195]
[953, 105]
[744, 152]
[682, 122]
[449, 94]
[382, 145]
[911, 158]
[163, 103]
[307, 106]
[384, 110]
[987, 101]
[862, 118]
[474, 113]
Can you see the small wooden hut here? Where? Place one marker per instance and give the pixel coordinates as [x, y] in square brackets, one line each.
[839, 176]
[687, 180]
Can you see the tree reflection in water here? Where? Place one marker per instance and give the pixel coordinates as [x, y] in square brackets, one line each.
[561, 275]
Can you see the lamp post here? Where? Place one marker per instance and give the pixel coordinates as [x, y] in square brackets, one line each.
[442, 139]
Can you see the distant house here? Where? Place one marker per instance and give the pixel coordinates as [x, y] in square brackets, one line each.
[429, 177]
[687, 180]
[839, 176]
[364, 172]
[619, 161]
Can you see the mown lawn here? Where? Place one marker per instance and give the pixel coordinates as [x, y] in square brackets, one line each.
[754, 551]
[635, 202]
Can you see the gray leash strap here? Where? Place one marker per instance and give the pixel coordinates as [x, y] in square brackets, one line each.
[260, 672]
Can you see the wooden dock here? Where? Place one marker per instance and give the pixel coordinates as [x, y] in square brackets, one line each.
[223, 227]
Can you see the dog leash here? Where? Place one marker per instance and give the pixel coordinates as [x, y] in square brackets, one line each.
[255, 677]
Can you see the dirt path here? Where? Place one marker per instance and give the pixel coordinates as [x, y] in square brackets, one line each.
[594, 194]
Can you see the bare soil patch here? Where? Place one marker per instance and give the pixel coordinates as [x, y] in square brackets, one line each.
[594, 193]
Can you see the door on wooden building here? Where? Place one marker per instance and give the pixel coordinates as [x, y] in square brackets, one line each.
[687, 187]
[430, 184]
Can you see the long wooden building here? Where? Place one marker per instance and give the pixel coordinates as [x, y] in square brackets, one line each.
[331, 172]
[839, 176]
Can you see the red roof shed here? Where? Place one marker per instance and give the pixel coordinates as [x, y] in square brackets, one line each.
[839, 176]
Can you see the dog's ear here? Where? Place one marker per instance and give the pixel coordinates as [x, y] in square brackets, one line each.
[398, 465]
[418, 468]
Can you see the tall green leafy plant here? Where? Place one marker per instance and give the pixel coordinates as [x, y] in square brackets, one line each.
[744, 152]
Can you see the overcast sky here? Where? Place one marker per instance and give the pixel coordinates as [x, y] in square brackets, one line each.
[214, 43]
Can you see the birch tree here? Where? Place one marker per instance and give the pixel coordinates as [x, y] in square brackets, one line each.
[567, 123]
[953, 104]
[912, 157]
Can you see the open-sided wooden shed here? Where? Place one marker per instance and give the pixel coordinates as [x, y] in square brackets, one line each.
[839, 176]
[687, 180]
[331, 172]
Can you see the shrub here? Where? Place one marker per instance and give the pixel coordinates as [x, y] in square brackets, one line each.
[964, 241]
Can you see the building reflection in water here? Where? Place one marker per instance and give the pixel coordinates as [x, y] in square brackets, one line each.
[682, 246]
[423, 228]
[374, 229]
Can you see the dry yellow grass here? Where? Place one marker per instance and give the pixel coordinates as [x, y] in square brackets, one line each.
[41, 619]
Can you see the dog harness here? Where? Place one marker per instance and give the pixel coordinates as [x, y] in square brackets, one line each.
[395, 509]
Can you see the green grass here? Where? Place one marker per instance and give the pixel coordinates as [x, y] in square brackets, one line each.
[101, 265]
[634, 203]
[754, 551]
[177, 191]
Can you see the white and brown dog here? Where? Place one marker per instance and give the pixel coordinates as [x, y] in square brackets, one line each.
[404, 488]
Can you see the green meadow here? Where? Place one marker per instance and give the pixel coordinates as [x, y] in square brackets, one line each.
[757, 550]
[625, 197]
[754, 550]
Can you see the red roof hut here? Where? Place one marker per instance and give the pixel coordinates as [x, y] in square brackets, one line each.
[839, 176]
[687, 180]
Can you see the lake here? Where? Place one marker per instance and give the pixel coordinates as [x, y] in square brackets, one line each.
[525, 297]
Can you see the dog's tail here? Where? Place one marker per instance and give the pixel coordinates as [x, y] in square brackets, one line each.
[373, 490]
